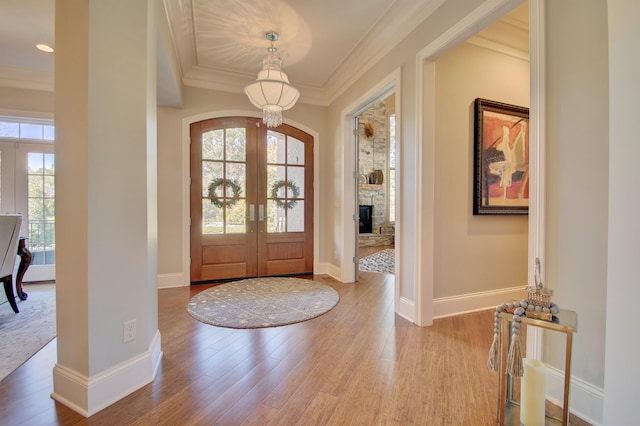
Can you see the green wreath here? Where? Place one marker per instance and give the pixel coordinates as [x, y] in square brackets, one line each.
[220, 201]
[286, 204]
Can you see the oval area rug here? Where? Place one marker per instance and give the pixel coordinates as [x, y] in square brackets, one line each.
[262, 302]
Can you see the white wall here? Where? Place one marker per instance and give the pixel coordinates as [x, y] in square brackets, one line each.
[493, 249]
[622, 371]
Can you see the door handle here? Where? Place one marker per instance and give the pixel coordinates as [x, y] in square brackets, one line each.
[261, 212]
[252, 213]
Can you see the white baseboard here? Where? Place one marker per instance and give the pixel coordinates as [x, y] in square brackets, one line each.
[88, 395]
[585, 400]
[406, 309]
[173, 280]
[473, 302]
[325, 268]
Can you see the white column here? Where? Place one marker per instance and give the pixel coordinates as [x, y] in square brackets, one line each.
[622, 370]
[106, 201]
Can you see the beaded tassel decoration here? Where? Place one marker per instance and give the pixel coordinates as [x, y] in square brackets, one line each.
[514, 357]
[492, 362]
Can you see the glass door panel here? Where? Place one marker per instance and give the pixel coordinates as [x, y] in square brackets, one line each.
[222, 243]
[41, 208]
[285, 183]
[35, 200]
[7, 185]
[286, 244]
[224, 177]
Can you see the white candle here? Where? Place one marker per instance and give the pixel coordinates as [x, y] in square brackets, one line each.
[532, 393]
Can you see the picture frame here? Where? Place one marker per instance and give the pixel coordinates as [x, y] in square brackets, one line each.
[501, 159]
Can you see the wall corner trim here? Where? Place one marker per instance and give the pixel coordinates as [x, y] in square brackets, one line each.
[407, 309]
[88, 395]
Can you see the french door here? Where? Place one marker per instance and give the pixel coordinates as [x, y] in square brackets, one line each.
[27, 186]
[251, 200]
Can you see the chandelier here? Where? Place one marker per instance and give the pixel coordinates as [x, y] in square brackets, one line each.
[271, 91]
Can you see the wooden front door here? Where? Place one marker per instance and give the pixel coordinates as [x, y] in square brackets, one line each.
[251, 200]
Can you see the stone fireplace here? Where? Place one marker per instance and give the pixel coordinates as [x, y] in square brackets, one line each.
[366, 219]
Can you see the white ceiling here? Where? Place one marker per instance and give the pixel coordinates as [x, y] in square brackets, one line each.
[219, 44]
[23, 24]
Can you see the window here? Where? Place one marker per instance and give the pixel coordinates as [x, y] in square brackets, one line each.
[27, 186]
[41, 207]
[391, 182]
[23, 129]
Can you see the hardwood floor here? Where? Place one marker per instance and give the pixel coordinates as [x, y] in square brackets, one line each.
[358, 364]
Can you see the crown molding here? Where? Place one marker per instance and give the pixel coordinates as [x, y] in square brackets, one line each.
[516, 23]
[399, 21]
[498, 47]
[26, 78]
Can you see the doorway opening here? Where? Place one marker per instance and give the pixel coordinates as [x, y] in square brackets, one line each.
[376, 188]
[251, 200]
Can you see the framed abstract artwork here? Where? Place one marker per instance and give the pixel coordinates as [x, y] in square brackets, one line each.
[501, 159]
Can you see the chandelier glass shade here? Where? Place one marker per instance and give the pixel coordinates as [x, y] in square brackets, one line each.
[271, 91]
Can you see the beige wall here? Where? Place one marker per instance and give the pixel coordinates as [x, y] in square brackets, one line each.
[622, 369]
[577, 172]
[402, 57]
[493, 249]
[170, 159]
[577, 177]
[30, 102]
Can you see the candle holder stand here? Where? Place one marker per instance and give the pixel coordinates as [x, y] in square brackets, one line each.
[566, 322]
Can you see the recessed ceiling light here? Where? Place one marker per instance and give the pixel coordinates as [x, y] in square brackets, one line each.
[45, 48]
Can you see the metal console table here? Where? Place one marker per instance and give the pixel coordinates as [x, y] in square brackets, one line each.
[564, 322]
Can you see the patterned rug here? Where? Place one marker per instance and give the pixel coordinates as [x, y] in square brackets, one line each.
[382, 261]
[262, 302]
[25, 333]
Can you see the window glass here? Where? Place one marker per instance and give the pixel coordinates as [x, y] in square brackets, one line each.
[27, 130]
[9, 130]
[41, 207]
[49, 133]
[224, 181]
[30, 131]
[276, 146]
[295, 151]
[391, 182]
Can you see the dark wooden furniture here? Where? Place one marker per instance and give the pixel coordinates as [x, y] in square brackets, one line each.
[25, 261]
